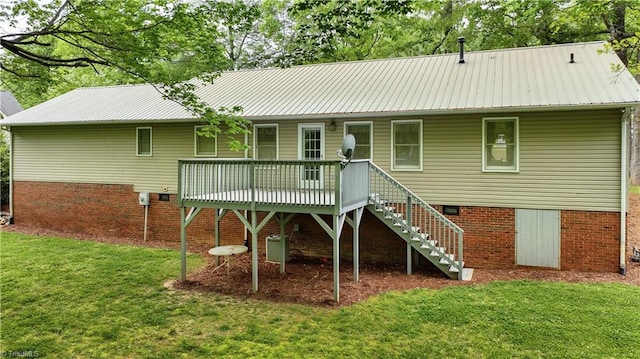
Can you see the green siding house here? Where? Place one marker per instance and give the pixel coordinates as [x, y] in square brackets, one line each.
[523, 150]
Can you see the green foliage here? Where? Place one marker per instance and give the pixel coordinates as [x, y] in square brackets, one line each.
[325, 31]
[337, 30]
[73, 298]
[239, 26]
[4, 169]
[95, 42]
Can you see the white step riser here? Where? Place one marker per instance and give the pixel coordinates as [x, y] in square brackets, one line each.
[444, 260]
[414, 229]
[429, 245]
[453, 269]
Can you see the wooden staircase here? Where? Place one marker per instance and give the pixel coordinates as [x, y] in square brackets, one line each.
[426, 230]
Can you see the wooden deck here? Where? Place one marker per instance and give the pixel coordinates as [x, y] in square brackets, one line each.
[282, 189]
[279, 188]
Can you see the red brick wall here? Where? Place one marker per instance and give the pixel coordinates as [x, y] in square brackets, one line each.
[113, 211]
[589, 240]
[489, 236]
[93, 209]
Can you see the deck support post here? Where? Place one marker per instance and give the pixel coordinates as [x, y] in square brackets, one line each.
[409, 259]
[255, 228]
[185, 219]
[283, 246]
[336, 259]
[254, 251]
[338, 223]
[409, 224]
[183, 245]
[219, 213]
[355, 225]
[282, 221]
[216, 232]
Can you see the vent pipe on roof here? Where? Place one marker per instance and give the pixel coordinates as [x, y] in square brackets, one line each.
[572, 61]
[461, 42]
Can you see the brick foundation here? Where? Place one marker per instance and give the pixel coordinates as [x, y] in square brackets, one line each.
[589, 240]
[489, 236]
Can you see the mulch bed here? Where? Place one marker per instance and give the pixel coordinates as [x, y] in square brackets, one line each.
[309, 281]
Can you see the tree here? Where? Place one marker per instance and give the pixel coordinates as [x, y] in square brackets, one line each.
[160, 42]
[622, 19]
[338, 30]
[238, 23]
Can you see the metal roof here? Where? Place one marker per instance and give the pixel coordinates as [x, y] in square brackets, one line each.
[8, 104]
[532, 78]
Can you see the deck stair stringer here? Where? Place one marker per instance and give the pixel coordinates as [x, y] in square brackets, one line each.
[427, 231]
[420, 243]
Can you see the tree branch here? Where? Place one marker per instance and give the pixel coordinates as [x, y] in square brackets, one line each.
[49, 61]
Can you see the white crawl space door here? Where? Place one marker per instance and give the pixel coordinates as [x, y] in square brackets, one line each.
[538, 238]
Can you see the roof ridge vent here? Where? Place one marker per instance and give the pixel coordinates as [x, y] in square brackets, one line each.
[461, 42]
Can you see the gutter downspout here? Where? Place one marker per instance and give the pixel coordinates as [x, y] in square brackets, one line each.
[10, 175]
[624, 175]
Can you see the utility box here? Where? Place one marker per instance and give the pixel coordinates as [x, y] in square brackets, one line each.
[274, 248]
[143, 198]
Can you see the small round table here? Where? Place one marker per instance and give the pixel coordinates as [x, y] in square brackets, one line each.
[227, 252]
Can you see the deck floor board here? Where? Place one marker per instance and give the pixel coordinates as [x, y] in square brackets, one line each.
[281, 197]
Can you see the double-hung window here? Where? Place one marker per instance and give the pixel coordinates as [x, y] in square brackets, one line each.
[205, 145]
[500, 147]
[363, 133]
[143, 141]
[406, 146]
[265, 139]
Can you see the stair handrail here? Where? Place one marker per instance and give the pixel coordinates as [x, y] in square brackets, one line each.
[415, 200]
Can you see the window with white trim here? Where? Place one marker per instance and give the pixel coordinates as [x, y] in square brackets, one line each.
[406, 145]
[143, 141]
[265, 142]
[500, 147]
[205, 145]
[363, 133]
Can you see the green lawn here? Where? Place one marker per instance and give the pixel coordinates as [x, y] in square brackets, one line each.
[635, 189]
[69, 298]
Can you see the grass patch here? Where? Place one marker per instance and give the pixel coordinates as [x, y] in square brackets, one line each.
[69, 298]
[635, 189]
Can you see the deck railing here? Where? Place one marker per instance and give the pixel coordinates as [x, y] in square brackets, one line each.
[417, 217]
[242, 183]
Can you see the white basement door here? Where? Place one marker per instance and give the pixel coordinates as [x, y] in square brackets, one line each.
[538, 238]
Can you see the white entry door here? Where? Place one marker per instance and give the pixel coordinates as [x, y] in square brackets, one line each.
[538, 238]
[311, 147]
